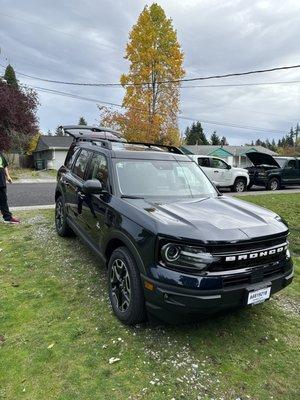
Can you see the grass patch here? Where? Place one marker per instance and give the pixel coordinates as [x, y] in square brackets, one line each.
[57, 331]
[27, 173]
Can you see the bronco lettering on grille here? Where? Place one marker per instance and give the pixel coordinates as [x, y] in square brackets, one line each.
[258, 254]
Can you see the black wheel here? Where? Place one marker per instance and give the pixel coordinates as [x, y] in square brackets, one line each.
[125, 289]
[239, 185]
[273, 184]
[61, 225]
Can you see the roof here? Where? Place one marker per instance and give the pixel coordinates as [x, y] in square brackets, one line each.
[224, 151]
[53, 142]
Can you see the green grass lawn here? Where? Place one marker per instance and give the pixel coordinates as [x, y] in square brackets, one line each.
[57, 331]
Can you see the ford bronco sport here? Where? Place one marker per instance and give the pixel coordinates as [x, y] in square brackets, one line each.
[173, 245]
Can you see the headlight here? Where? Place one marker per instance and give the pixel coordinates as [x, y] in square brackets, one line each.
[183, 256]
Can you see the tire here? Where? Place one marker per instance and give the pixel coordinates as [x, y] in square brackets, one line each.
[125, 288]
[273, 184]
[239, 185]
[61, 225]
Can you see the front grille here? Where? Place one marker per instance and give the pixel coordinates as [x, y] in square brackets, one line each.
[262, 272]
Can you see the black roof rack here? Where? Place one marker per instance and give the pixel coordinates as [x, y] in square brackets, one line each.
[171, 149]
[109, 137]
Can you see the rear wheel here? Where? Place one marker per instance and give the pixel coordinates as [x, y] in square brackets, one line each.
[273, 184]
[125, 289]
[61, 224]
[239, 185]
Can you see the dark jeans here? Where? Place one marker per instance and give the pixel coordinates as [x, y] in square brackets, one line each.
[4, 206]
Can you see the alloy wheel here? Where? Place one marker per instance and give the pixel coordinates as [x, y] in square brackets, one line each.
[240, 186]
[274, 185]
[120, 285]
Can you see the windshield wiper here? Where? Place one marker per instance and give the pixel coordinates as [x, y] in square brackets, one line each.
[125, 196]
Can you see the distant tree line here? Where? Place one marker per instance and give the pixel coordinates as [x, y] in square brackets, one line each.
[195, 135]
[288, 144]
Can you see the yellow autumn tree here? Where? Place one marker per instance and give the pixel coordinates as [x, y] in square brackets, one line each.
[151, 102]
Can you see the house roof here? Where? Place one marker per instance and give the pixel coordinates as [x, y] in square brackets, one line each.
[224, 151]
[53, 142]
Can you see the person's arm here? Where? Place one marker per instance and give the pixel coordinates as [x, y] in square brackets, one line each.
[8, 178]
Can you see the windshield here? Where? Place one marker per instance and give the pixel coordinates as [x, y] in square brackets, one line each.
[156, 178]
[281, 161]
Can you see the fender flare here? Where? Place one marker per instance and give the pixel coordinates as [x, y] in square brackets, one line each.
[118, 235]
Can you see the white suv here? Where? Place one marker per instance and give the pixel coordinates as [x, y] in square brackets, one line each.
[223, 174]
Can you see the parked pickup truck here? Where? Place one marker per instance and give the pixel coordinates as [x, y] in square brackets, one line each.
[223, 174]
[273, 172]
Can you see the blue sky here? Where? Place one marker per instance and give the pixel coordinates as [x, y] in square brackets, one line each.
[85, 41]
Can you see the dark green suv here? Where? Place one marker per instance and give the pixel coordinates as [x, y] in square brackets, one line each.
[174, 247]
[273, 172]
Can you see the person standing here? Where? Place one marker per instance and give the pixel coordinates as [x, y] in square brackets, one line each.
[5, 177]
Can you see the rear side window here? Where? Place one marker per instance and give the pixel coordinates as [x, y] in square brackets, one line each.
[81, 163]
[203, 162]
[72, 153]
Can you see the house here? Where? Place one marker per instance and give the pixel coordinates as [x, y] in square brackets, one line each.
[51, 151]
[233, 155]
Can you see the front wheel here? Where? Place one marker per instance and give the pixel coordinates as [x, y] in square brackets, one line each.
[125, 289]
[239, 185]
[273, 184]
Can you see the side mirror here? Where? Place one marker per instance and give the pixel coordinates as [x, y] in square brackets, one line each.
[229, 166]
[92, 186]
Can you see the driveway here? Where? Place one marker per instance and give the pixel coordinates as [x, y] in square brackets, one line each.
[30, 194]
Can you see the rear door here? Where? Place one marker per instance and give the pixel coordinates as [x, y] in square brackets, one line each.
[73, 183]
[204, 163]
[96, 212]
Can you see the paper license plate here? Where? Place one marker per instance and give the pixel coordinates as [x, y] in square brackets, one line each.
[258, 296]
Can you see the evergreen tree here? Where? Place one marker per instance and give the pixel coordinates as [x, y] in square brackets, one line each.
[10, 76]
[82, 121]
[297, 131]
[273, 145]
[195, 135]
[214, 139]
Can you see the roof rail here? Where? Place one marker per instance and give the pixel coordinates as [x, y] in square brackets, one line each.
[171, 149]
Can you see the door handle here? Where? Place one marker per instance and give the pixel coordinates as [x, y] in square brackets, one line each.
[216, 172]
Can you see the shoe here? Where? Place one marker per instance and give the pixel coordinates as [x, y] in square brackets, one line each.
[13, 220]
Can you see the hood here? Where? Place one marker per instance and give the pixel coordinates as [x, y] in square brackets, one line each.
[262, 159]
[210, 219]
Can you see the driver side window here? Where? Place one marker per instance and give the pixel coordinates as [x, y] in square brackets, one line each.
[98, 169]
[291, 164]
[216, 163]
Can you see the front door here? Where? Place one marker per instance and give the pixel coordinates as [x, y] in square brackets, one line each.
[290, 173]
[221, 173]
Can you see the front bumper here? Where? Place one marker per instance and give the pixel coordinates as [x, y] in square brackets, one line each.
[173, 300]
